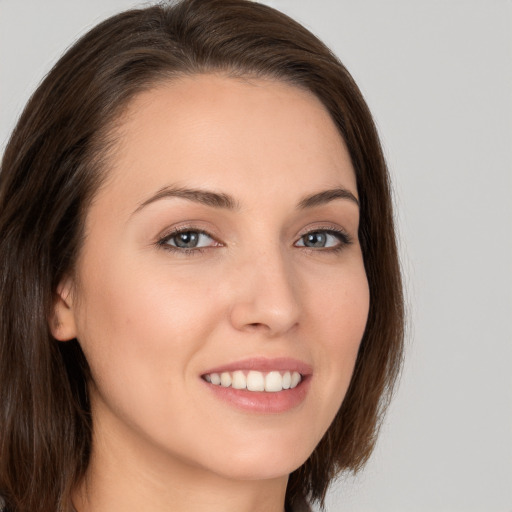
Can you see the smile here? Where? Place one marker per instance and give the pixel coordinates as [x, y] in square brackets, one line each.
[260, 385]
[271, 382]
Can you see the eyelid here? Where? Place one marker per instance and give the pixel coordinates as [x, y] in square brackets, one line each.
[189, 225]
[340, 233]
[343, 236]
[331, 228]
[168, 234]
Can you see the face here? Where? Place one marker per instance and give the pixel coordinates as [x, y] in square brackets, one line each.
[222, 248]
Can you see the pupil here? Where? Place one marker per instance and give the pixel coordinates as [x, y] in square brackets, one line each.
[315, 240]
[187, 239]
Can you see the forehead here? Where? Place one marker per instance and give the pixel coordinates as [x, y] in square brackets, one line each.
[226, 133]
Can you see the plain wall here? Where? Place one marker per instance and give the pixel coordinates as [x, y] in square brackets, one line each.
[438, 77]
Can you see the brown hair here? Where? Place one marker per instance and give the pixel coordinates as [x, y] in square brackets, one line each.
[50, 171]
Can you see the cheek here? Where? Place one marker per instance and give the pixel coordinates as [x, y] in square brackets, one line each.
[340, 312]
[147, 325]
[349, 313]
[338, 303]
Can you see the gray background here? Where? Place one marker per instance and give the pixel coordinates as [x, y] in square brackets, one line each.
[438, 78]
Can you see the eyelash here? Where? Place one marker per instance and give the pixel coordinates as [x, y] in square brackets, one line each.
[162, 242]
[343, 237]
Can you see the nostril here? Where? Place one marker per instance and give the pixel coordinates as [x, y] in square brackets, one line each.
[258, 325]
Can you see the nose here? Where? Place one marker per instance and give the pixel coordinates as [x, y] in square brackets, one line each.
[265, 295]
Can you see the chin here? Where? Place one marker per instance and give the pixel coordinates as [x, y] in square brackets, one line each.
[261, 461]
[259, 470]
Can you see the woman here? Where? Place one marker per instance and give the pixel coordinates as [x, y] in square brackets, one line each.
[200, 294]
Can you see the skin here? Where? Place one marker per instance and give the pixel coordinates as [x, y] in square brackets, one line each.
[151, 321]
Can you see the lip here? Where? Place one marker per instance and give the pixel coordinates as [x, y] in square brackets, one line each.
[261, 402]
[263, 364]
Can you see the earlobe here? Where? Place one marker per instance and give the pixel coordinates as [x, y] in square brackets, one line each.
[62, 320]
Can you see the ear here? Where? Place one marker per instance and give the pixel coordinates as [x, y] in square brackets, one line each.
[62, 319]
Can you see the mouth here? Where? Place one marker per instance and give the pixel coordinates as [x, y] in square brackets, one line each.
[270, 382]
[261, 385]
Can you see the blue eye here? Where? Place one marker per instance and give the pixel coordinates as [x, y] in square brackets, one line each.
[189, 239]
[192, 240]
[323, 239]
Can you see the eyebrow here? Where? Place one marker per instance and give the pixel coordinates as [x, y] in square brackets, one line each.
[225, 201]
[326, 196]
[206, 197]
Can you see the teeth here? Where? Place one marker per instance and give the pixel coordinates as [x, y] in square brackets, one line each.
[295, 379]
[273, 382]
[239, 381]
[270, 382]
[287, 380]
[255, 381]
[225, 379]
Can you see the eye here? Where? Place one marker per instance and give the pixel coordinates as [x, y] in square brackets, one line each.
[187, 239]
[323, 239]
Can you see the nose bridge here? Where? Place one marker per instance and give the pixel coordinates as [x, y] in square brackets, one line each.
[266, 291]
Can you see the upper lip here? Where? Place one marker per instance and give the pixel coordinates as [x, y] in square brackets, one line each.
[263, 364]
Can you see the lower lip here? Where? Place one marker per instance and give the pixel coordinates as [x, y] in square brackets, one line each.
[261, 401]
